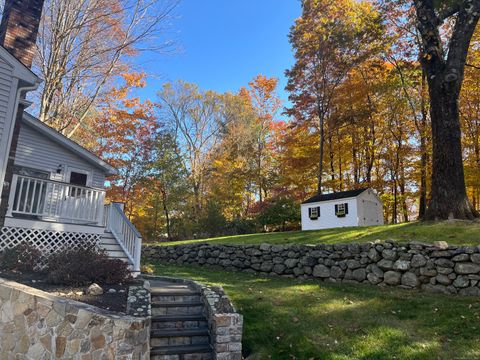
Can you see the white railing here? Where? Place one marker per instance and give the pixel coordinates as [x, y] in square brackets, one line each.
[55, 201]
[125, 232]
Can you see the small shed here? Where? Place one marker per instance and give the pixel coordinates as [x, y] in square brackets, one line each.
[359, 207]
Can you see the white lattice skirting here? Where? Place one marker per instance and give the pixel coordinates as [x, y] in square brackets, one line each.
[46, 241]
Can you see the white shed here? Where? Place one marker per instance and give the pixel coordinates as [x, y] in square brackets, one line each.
[360, 207]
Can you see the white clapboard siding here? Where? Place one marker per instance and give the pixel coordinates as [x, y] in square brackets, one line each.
[40, 152]
[7, 95]
[327, 218]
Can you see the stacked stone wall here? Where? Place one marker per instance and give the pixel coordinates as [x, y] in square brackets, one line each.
[433, 268]
[37, 325]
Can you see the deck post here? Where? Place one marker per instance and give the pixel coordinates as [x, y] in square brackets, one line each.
[11, 197]
[101, 209]
[138, 255]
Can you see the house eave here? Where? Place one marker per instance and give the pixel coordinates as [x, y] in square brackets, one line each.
[20, 71]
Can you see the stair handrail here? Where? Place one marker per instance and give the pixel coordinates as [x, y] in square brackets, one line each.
[127, 235]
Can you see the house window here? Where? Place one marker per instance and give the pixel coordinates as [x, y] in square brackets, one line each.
[81, 180]
[341, 210]
[78, 178]
[314, 213]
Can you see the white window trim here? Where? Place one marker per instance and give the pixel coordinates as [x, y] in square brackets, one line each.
[314, 212]
[340, 210]
[70, 169]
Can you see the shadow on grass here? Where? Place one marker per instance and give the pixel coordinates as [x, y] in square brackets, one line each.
[292, 319]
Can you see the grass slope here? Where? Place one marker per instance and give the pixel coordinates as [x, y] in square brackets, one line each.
[458, 233]
[292, 319]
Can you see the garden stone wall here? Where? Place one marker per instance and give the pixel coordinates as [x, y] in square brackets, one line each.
[36, 325]
[434, 268]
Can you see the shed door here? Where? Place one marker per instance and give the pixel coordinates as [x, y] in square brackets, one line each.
[371, 212]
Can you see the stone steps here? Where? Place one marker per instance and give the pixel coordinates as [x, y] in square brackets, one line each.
[179, 326]
[176, 308]
[182, 352]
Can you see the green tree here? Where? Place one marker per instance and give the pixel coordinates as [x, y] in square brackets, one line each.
[278, 212]
[169, 178]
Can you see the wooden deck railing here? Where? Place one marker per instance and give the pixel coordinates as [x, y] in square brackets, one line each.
[125, 232]
[50, 200]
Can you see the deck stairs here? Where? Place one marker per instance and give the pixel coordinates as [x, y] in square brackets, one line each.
[113, 248]
[121, 239]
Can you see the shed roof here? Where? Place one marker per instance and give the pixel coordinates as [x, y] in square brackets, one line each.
[335, 196]
[68, 143]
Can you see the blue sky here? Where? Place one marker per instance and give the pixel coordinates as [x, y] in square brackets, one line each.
[223, 44]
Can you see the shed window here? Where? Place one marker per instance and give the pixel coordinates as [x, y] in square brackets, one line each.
[341, 210]
[314, 213]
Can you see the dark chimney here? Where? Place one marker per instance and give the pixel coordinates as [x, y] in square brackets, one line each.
[19, 28]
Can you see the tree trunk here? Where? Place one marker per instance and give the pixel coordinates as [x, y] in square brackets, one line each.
[445, 67]
[320, 161]
[167, 214]
[422, 129]
[332, 161]
[448, 196]
[394, 208]
[422, 206]
[402, 193]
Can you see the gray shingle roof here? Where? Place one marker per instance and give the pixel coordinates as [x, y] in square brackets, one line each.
[335, 196]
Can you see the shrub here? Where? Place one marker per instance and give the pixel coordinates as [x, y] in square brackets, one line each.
[84, 266]
[23, 257]
[147, 269]
[279, 214]
[241, 227]
[212, 222]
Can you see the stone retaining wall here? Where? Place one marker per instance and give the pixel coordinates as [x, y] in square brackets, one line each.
[37, 325]
[225, 324]
[441, 268]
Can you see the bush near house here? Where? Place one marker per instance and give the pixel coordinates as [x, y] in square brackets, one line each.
[84, 266]
[23, 257]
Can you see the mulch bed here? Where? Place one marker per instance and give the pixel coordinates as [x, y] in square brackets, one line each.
[115, 301]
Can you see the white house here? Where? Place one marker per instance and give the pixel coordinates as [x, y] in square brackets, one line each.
[53, 189]
[361, 207]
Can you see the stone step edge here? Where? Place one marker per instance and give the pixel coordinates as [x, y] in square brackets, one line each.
[180, 349]
[175, 293]
[176, 304]
[164, 333]
[173, 318]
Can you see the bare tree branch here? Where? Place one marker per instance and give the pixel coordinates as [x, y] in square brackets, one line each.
[84, 44]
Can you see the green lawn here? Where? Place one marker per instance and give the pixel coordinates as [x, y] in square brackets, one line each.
[291, 319]
[458, 233]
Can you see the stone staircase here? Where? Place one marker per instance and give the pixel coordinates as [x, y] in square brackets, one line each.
[179, 326]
